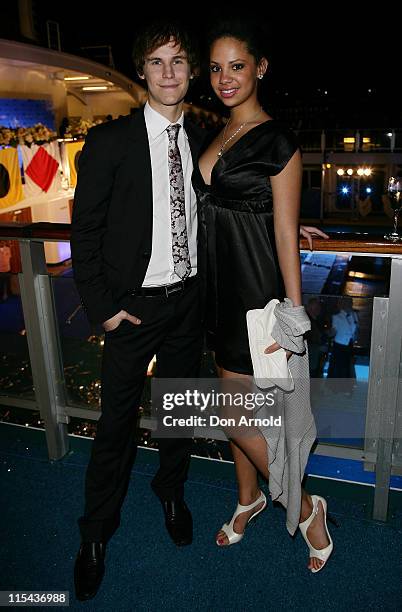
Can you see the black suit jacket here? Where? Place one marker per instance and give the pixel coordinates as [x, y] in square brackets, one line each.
[111, 229]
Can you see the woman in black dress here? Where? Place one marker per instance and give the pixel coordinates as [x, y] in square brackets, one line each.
[248, 186]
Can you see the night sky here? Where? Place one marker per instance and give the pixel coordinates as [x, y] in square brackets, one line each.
[324, 46]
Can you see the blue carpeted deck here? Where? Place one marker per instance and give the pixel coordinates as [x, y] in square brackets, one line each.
[145, 571]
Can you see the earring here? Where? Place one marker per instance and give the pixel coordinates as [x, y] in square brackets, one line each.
[260, 76]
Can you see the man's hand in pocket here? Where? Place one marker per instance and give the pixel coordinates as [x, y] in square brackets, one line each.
[114, 322]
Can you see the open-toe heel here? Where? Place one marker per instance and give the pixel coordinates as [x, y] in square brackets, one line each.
[322, 553]
[227, 528]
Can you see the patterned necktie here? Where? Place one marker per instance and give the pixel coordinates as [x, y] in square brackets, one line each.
[181, 256]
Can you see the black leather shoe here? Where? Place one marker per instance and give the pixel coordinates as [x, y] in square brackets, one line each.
[89, 569]
[178, 521]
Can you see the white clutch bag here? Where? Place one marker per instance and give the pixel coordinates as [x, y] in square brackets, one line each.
[270, 370]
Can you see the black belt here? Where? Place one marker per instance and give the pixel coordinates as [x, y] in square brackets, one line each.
[165, 290]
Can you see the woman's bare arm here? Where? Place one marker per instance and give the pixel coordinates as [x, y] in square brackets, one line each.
[286, 191]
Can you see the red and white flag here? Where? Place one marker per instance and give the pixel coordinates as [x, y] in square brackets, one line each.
[41, 168]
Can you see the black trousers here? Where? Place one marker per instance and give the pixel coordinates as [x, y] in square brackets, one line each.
[341, 366]
[171, 329]
[341, 362]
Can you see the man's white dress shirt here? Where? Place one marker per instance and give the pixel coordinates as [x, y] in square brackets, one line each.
[160, 269]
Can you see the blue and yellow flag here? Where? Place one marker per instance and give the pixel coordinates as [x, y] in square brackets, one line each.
[10, 178]
[73, 154]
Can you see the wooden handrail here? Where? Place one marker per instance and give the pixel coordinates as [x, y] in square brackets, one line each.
[42, 230]
[351, 242]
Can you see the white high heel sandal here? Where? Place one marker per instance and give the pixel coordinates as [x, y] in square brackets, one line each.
[324, 553]
[227, 528]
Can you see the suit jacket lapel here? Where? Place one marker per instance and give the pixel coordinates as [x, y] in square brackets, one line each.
[138, 128]
[139, 146]
[193, 139]
[138, 157]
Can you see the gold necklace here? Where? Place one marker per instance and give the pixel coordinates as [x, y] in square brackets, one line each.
[224, 143]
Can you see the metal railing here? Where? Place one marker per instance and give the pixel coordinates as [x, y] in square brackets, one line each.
[383, 429]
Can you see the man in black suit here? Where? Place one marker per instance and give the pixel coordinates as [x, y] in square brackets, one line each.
[133, 245]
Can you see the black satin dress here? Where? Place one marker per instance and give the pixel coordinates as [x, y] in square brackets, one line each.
[238, 263]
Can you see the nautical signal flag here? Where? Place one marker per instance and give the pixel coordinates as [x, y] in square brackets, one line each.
[10, 178]
[73, 153]
[41, 168]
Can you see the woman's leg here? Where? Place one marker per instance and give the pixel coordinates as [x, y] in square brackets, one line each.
[250, 454]
[247, 481]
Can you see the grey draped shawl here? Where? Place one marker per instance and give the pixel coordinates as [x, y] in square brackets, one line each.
[289, 445]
